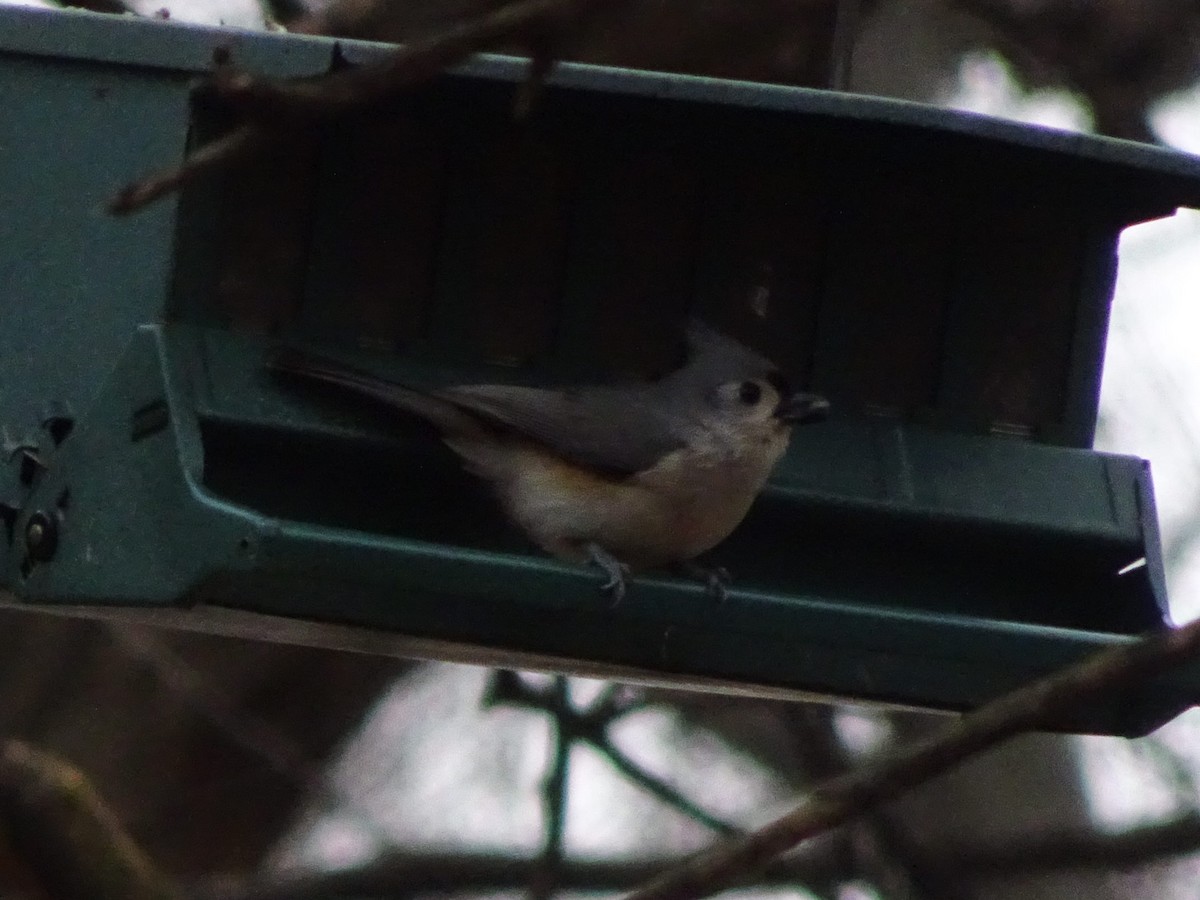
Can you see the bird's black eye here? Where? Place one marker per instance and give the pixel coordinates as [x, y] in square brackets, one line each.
[749, 392]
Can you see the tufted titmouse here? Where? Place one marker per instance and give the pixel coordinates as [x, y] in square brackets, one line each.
[630, 477]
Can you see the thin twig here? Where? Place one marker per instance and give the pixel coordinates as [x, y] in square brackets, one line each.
[614, 702]
[554, 796]
[356, 88]
[1074, 851]
[408, 872]
[255, 735]
[842, 798]
[591, 726]
[875, 846]
[66, 836]
[658, 788]
[274, 108]
[236, 145]
[252, 733]
[405, 873]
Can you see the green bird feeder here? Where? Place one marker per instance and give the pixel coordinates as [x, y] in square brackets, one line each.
[945, 279]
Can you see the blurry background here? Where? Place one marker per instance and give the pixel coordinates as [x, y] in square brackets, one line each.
[256, 770]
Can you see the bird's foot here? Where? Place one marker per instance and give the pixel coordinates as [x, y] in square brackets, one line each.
[716, 580]
[616, 571]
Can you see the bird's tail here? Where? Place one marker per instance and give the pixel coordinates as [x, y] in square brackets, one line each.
[444, 415]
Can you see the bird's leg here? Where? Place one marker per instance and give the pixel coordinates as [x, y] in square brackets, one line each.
[716, 580]
[616, 571]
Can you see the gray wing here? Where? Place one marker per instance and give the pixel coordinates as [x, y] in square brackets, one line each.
[443, 414]
[619, 432]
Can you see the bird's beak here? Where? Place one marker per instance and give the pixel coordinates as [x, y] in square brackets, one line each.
[800, 409]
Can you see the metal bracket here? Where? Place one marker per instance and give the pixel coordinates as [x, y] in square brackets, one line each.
[31, 530]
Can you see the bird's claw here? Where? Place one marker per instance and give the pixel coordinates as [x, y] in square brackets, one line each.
[716, 580]
[614, 588]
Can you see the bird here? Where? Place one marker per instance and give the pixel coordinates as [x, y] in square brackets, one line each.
[626, 478]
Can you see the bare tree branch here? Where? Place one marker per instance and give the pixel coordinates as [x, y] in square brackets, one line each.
[411, 873]
[1121, 58]
[355, 88]
[876, 846]
[433, 872]
[256, 735]
[658, 788]
[238, 144]
[840, 799]
[1046, 853]
[272, 105]
[544, 882]
[66, 836]
[590, 726]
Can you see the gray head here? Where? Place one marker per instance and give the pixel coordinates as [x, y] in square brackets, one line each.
[734, 381]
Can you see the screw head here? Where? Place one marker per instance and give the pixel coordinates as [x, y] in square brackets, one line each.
[41, 536]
